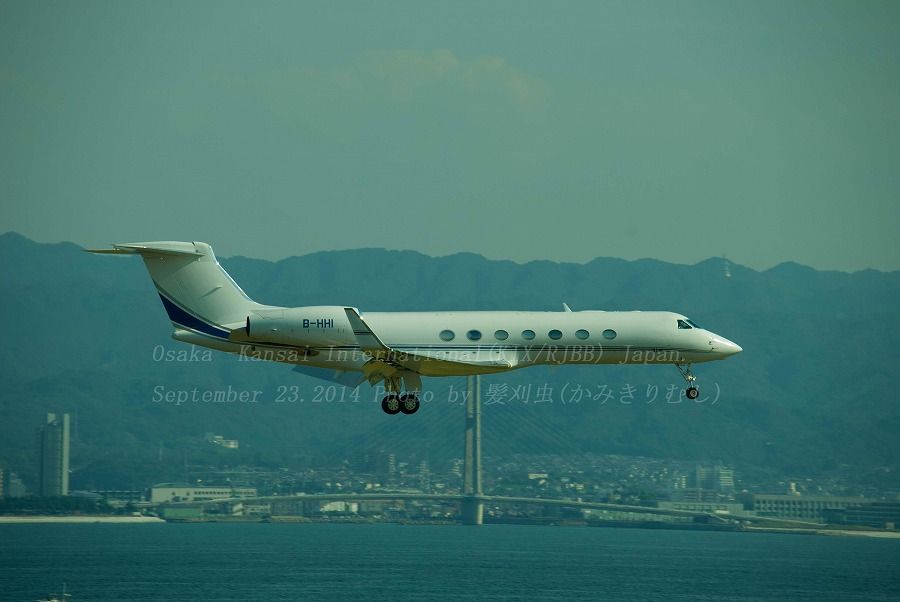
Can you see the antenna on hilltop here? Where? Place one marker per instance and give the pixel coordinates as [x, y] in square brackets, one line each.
[726, 266]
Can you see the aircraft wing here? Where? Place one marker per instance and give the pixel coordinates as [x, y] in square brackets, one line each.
[348, 379]
[368, 340]
[486, 358]
[429, 361]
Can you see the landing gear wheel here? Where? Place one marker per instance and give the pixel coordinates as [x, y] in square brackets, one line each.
[691, 392]
[390, 404]
[409, 404]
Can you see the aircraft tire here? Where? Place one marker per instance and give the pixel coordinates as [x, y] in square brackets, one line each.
[409, 404]
[391, 404]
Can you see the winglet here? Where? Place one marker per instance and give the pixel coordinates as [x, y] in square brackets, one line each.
[368, 340]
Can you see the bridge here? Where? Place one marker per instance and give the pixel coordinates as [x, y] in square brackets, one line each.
[472, 499]
[324, 498]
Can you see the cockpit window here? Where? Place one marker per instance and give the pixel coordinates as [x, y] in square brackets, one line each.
[684, 325]
[692, 323]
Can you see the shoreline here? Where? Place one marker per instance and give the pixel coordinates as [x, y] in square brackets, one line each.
[115, 519]
[79, 519]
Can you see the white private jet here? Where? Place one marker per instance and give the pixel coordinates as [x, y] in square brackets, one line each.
[343, 345]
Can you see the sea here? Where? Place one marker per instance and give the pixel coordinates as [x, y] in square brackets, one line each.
[391, 562]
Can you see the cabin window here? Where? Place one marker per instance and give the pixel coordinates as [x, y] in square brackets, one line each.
[501, 335]
[609, 334]
[554, 334]
[528, 335]
[582, 334]
[683, 325]
[447, 335]
[474, 335]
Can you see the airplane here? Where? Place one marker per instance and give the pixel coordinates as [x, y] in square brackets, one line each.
[342, 344]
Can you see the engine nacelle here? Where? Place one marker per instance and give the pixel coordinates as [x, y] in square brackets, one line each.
[318, 326]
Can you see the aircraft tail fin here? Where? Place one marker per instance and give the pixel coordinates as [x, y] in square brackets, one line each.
[196, 292]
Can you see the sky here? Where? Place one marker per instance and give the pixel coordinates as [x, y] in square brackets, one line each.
[763, 131]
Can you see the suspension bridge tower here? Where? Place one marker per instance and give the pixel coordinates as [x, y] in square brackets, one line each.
[472, 506]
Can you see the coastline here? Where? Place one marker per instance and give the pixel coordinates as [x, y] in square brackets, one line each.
[114, 519]
[41, 519]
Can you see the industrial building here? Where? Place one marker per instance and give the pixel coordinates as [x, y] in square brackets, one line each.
[713, 507]
[880, 515]
[176, 492]
[802, 507]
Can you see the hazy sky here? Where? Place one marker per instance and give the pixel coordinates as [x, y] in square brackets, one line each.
[520, 130]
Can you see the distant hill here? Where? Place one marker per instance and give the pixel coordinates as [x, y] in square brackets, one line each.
[815, 388]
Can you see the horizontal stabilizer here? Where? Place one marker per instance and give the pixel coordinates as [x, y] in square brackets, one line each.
[151, 248]
[111, 251]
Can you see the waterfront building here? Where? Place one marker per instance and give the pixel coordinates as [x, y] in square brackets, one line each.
[176, 492]
[800, 507]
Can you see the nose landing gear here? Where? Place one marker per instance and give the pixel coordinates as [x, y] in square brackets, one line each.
[691, 392]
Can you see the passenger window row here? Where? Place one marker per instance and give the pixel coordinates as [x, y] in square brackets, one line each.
[528, 335]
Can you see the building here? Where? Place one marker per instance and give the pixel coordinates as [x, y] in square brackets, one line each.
[704, 484]
[13, 485]
[712, 507]
[696, 495]
[53, 456]
[222, 441]
[182, 513]
[338, 507]
[171, 492]
[391, 466]
[424, 476]
[800, 507]
[121, 497]
[257, 509]
[881, 515]
[711, 478]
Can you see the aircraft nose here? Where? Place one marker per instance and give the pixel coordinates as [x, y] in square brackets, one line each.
[723, 346]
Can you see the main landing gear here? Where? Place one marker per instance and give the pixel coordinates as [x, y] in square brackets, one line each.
[691, 392]
[395, 381]
[408, 403]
